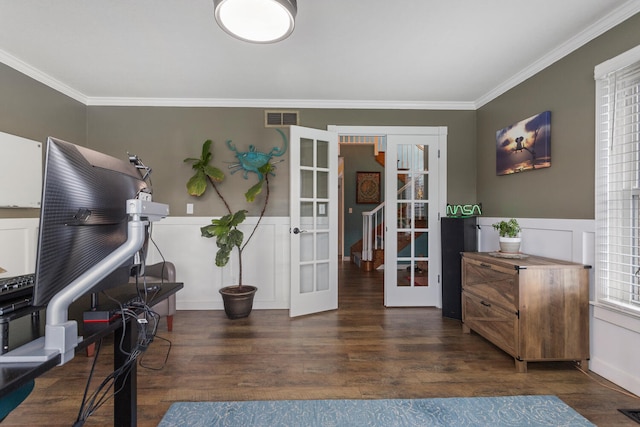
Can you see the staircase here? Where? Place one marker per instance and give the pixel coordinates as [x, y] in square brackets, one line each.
[376, 257]
[368, 252]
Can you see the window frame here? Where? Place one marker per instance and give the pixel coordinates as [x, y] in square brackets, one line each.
[610, 275]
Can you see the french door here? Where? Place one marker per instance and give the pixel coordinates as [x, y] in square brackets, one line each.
[414, 198]
[313, 202]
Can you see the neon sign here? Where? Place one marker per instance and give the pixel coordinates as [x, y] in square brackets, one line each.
[464, 210]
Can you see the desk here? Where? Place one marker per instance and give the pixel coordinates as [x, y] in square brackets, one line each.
[14, 375]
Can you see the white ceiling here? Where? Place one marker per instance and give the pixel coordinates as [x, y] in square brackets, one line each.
[456, 54]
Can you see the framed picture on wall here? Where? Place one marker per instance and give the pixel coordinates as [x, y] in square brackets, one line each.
[525, 145]
[367, 187]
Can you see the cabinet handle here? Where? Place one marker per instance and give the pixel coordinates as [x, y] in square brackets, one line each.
[482, 264]
[486, 304]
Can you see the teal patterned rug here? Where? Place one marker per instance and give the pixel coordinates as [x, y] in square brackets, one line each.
[513, 411]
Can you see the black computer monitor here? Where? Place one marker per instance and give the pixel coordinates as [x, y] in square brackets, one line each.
[94, 219]
[83, 216]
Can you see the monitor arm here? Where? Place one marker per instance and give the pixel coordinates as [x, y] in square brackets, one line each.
[61, 334]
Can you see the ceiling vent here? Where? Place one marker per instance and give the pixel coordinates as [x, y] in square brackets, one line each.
[280, 118]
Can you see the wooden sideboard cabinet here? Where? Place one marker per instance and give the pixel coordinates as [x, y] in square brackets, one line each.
[534, 308]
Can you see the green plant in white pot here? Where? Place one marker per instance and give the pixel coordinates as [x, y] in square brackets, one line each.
[509, 232]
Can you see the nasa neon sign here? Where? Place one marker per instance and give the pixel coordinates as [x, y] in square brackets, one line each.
[464, 210]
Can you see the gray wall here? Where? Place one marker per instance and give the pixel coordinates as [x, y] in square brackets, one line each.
[567, 89]
[164, 136]
[32, 110]
[461, 139]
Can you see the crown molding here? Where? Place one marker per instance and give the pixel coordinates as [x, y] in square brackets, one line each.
[609, 21]
[28, 70]
[603, 25]
[280, 103]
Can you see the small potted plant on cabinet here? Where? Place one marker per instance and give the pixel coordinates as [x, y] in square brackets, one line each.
[509, 232]
[237, 299]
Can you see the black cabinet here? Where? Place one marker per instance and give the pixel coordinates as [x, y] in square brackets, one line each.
[458, 235]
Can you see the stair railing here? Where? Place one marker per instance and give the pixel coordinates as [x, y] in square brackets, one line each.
[373, 229]
[372, 234]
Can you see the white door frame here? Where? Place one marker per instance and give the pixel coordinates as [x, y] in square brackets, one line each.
[411, 130]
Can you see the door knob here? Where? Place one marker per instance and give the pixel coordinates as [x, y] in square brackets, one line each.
[296, 230]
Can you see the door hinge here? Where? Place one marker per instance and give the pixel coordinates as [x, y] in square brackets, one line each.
[438, 153]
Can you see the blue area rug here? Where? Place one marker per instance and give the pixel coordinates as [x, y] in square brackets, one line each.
[472, 411]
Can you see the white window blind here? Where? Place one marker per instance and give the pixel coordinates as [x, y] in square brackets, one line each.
[617, 272]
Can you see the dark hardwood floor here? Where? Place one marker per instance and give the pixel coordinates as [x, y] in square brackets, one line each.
[360, 351]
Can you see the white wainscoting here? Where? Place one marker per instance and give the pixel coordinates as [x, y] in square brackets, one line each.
[266, 259]
[265, 262]
[565, 239]
[18, 245]
[615, 347]
[614, 337]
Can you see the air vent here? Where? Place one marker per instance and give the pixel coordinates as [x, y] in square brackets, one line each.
[280, 118]
[634, 414]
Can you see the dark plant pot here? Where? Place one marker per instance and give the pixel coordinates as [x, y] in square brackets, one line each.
[238, 301]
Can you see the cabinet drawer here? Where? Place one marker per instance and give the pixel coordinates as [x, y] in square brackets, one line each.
[492, 322]
[491, 283]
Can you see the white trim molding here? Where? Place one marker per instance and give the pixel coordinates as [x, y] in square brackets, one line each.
[265, 260]
[615, 345]
[614, 64]
[609, 21]
[19, 237]
[603, 25]
[614, 336]
[30, 71]
[178, 239]
[282, 103]
[566, 239]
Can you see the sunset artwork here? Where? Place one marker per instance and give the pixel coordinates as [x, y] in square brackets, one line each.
[525, 145]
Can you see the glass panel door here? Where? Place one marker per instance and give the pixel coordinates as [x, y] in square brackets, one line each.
[314, 216]
[412, 216]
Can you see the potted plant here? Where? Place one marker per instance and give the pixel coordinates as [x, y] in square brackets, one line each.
[237, 299]
[509, 232]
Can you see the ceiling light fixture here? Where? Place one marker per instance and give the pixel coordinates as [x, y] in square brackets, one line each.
[256, 21]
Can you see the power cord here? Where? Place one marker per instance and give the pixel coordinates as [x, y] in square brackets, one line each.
[81, 414]
[147, 322]
[142, 363]
[626, 393]
[103, 392]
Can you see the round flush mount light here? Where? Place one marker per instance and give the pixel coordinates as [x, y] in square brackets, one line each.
[256, 21]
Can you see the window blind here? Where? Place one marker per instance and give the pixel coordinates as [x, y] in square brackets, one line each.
[617, 272]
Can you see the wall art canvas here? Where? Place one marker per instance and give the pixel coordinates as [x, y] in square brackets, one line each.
[367, 187]
[525, 145]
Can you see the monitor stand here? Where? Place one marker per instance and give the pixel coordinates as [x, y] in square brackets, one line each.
[61, 334]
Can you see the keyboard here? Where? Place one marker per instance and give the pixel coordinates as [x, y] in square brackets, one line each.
[16, 292]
